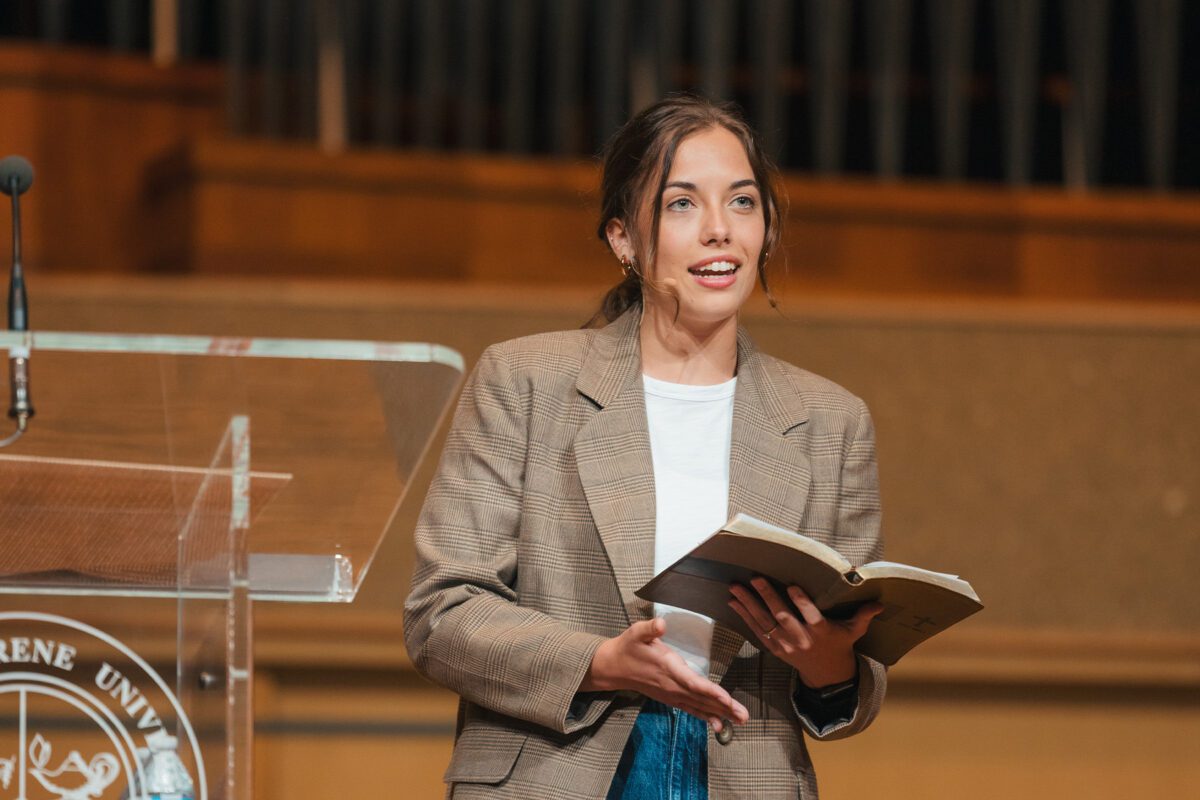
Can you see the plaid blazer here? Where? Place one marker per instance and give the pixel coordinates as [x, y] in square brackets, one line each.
[539, 526]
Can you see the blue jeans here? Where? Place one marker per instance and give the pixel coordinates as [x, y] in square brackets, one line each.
[666, 757]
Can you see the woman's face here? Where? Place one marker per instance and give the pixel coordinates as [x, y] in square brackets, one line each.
[710, 233]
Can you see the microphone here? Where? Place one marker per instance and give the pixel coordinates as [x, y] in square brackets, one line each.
[16, 176]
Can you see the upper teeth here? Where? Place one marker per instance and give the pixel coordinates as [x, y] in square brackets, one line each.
[717, 266]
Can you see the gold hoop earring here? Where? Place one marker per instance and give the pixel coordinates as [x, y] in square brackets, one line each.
[627, 266]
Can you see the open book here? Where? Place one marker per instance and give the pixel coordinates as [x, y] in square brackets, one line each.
[917, 603]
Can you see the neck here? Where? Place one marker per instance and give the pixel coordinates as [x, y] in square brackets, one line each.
[677, 353]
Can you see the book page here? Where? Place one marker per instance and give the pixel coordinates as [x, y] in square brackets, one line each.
[888, 564]
[745, 525]
[882, 570]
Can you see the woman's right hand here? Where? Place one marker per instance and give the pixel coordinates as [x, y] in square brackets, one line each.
[638, 660]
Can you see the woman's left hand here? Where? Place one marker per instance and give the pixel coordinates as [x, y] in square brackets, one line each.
[820, 650]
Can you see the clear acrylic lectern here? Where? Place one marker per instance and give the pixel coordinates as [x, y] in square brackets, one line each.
[205, 472]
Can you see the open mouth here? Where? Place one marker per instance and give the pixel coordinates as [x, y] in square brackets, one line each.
[714, 270]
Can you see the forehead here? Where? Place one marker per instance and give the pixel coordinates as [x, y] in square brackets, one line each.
[712, 152]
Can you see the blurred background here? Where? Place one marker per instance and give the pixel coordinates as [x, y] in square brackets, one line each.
[992, 235]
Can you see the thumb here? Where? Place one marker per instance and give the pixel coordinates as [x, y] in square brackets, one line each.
[648, 630]
[862, 618]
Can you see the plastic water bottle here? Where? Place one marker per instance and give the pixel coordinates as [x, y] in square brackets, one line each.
[166, 776]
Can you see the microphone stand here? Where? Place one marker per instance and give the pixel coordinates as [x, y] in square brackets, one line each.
[19, 176]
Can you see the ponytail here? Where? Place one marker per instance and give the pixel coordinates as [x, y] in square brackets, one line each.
[625, 295]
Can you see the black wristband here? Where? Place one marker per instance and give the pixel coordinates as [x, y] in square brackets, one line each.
[832, 695]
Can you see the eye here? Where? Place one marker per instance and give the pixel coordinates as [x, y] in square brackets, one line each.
[680, 204]
[744, 201]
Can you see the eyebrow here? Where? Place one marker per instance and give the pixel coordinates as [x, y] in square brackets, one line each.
[691, 187]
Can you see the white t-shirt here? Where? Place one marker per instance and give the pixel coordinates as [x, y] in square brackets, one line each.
[690, 428]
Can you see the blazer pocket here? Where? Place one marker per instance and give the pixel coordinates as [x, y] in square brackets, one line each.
[484, 754]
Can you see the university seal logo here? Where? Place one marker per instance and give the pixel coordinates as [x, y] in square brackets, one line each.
[79, 713]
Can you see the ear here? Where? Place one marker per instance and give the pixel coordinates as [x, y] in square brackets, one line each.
[619, 241]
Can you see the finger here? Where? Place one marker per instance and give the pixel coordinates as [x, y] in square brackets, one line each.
[775, 604]
[715, 700]
[684, 704]
[862, 619]
[648, 630]
[699, 707]
[713, 716]
[706, 715]
[763, 621]
[752, 624]
[684, 679]
[703, 693]
[708, 693]
[808, 610]
[765, 641]
[735, 713]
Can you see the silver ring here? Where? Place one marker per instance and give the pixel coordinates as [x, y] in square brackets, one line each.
[767, 635]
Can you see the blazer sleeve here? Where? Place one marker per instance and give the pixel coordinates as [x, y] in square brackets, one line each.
[857, 531]
[462, 625]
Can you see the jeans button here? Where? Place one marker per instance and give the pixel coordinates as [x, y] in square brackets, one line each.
[725, 735]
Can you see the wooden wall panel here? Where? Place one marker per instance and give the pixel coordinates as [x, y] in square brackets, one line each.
[90, 122]
[927, 744]
[278, 210]
[997, 747]
[268, 209]
[133, 174]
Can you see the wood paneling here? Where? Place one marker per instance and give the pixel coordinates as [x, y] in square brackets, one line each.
[133, 174]
[91, 122]
[270, 209]
[258, 208]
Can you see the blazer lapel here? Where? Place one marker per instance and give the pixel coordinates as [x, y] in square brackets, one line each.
[613, 460]
[769, 473]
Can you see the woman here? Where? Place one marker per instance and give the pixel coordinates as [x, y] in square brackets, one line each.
[579, 463]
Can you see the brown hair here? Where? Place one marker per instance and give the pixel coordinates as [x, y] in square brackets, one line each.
[643, 149]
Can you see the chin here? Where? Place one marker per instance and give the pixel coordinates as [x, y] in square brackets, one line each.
[709, 314]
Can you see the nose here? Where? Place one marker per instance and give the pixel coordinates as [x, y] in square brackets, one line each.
[715, 229]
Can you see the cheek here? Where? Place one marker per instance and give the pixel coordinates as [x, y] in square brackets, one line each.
[672, 244]
[747, 287]
[755, 231]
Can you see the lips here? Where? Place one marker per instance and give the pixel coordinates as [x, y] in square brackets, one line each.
[718, 273]
[714, 269]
